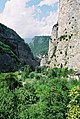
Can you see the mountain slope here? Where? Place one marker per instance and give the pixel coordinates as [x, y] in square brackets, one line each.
[14, 53]
[39, 45]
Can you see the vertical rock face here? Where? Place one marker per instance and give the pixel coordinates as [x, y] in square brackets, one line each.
[69, 17]
[44, 61]
[66, 46]
[52, 41]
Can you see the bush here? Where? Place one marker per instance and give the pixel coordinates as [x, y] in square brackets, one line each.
[51, 73]
[38, 69]
[73, 111]
[37, 76]
[59, 72]
[26, 72]
[32, 75]
[11, 81]
[42, 69]
[8, 99]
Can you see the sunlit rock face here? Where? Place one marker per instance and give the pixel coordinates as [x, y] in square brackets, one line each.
[52, 41]
[69, 17]
[64, 48]
[43, 61]
[14, 53]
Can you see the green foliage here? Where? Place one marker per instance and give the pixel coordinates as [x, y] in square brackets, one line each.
[41, 98]
[57, 101]
[42, 70]
[8, 99]
[6, 49]
[37, 76]
[26, 72]
[32, 75]
[51, 73]
[39, 45]
[73, 111]
[8, 104]
[38, 69]
[11, 81]
[59, 72]
[53, 97]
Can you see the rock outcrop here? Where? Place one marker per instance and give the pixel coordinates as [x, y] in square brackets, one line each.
[14, 53]
[52, 41]
[44, 61]
[64, 49]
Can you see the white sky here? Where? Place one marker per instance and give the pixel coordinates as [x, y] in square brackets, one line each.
[30, 18]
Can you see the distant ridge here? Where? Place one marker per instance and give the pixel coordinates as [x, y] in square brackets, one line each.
[28, 40]
[39, 45]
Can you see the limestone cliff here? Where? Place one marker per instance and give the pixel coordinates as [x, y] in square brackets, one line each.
[52, 41]
[64, 49]
[14, 53]
[44, 61]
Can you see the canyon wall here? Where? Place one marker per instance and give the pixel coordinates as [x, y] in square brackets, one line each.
[14, 52]
[64, 48]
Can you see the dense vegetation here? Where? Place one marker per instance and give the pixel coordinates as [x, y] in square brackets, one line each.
[14, 52]
[40, 45]
[43, 94]
[7, 50]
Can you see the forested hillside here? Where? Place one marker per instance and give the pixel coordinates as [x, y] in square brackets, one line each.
[14, 52]
[39, 45]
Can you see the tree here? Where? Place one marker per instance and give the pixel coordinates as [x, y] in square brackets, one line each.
[26, 72]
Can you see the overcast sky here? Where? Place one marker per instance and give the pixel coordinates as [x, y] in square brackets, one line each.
[29, 17]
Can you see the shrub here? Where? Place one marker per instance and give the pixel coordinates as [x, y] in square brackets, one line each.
[38, 69]
[51, 73]
[37, 76]
[32, 75]
[73, 111]
[59, 72]
[26, 72]
[12, 82]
